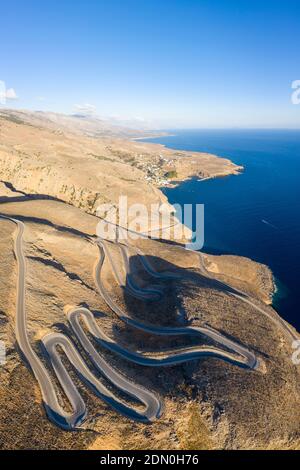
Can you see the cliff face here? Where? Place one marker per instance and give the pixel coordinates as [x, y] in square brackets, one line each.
[74, 169]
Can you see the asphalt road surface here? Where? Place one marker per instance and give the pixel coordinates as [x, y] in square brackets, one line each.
[51, 341]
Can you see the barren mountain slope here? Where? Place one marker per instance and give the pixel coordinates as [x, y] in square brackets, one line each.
[87, 172]
[209, 403]
[79, 124]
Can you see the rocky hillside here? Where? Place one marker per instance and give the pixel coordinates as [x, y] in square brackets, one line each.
[208, 403]
[37, 158]
[80, 124]
[53, 180]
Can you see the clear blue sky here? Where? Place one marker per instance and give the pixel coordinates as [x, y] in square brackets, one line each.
[184, 63]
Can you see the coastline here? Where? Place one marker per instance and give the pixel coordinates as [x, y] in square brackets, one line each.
[175, 166]
[268, 285]
[118, 165]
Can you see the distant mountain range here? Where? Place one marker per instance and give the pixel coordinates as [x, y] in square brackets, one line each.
[81, 124]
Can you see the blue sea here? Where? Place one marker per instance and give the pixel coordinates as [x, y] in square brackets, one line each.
[255, 214]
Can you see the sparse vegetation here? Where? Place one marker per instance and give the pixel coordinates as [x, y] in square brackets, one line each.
[11, 118]
[102, 157]
[193, 433]
[171, 174]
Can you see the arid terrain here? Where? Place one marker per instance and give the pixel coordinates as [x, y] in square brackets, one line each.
[43, 157]
[53, 177]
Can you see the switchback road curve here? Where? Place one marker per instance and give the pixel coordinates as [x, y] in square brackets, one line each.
[57, 414]
[243, 357]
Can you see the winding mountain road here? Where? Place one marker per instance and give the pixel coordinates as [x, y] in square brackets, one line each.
[51, 341]
[290, 333]
[244, 357]
[82, 321]
[165, 358]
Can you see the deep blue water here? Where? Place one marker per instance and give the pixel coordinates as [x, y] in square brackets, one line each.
[236, 206]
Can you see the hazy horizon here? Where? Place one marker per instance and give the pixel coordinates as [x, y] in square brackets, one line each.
[147, 126]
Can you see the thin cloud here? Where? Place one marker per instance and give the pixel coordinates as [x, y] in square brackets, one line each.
[86, 108]
[7, 94]
[11, 94]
